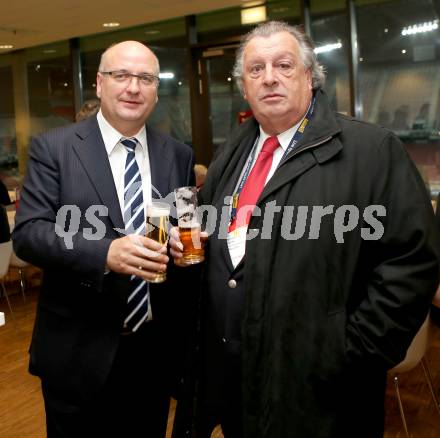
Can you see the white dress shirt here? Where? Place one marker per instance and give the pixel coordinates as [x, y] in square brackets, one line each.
[117, 155]
[237, 239]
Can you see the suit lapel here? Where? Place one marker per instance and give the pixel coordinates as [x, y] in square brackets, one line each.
[92, 154]
[160, 163]
[235, 158]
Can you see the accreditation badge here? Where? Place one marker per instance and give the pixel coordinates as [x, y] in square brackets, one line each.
[237, 244]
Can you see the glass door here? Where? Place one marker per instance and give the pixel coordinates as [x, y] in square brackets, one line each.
[226, 104]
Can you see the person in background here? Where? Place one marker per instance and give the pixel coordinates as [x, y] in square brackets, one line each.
[200, 171]
[100, 342]
[89, 108]
[326, 268]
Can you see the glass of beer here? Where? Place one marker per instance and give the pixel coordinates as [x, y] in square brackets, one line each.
[189, 225]
[157, 229]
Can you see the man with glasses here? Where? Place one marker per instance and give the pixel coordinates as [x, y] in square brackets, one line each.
[100, 343]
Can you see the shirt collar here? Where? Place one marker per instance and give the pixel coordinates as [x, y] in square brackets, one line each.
[112, 137]
[283, 138]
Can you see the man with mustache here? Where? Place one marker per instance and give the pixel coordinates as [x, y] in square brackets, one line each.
[99, 343]
[297, 333]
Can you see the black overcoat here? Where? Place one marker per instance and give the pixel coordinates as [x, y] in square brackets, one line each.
[331, 307]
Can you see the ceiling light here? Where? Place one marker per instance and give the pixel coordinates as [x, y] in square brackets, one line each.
[111, 24]
[250, 4]
[229, 79]
[253, 15]
[361, 59]
[403, 51]
[327, 48]
[180, 82]
[166, 75]
[6, 46]
[386, 30]
[65, 84]
[428, 26]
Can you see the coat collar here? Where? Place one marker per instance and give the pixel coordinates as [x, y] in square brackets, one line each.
[323, 125]
[90, 149]
[234, 154]
[91, 152]
[319, 143]
[322, 128]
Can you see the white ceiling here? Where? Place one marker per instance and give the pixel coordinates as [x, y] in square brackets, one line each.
[27, 23]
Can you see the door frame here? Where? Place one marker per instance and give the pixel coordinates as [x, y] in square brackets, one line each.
[200, 95]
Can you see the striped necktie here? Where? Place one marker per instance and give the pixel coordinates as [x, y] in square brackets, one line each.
[134, 220]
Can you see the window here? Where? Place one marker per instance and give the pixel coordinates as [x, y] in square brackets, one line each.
[399, 74]
[50, 87]
[331, 40]
[8, 146]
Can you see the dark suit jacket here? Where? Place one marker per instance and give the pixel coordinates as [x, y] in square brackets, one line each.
[81, 310]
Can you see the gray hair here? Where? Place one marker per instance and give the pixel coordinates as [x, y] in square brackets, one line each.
[270, 28]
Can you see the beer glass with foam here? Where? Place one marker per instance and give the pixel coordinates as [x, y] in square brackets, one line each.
[189, 225]
[157, 229]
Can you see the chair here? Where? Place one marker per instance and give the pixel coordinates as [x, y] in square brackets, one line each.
[414, 356]
[5, 257]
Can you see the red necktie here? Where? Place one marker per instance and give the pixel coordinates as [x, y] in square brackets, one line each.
[255, 183]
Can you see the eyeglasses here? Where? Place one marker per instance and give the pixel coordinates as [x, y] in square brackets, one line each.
[123, 77]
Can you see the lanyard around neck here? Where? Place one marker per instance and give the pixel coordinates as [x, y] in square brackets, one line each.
[293, 142]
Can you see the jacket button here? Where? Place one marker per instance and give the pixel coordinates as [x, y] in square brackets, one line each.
[232, 283]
